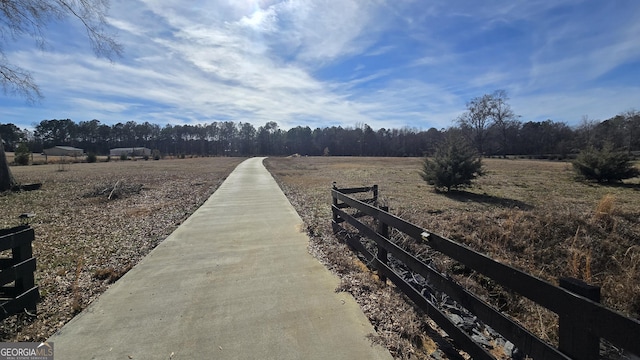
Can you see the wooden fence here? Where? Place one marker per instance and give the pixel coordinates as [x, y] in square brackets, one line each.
[582, 320]
[17, 269]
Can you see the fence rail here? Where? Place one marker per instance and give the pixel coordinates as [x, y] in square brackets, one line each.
[582, 320]
[17, 269]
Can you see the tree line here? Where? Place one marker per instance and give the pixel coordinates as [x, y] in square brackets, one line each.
[490, 136]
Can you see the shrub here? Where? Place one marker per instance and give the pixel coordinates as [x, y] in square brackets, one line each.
[123, 157]
[605, 165]
[91, 158]
[156, 154]
[454, 165]
[22, 154]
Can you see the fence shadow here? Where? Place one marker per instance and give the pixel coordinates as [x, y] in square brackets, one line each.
[465, 196]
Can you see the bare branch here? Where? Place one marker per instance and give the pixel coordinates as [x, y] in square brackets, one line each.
[92, 14]
[31, 17]
[17, 81]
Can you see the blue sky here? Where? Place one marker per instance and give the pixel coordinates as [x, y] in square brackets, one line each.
[320, 63]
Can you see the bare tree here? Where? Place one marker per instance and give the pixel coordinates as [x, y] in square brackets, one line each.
[632, 126]
[586, 131]
[477, 118]
[486, 111]
[29, 18]
[503, 116]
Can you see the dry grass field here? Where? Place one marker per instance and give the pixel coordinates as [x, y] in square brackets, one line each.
[41, 159]
[84, 241]
[530, 214]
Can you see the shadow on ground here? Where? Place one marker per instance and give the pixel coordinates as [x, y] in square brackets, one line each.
[613, 184]
[465, 196]
[631, 186]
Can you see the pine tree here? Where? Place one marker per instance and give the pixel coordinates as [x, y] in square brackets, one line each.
[454, 165]
[605, 165]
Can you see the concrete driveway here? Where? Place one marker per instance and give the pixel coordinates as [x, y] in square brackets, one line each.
[234, 281]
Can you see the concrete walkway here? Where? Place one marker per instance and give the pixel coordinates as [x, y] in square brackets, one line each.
[234, 281]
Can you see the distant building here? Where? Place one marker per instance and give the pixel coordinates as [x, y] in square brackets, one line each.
[63, 151]
[131, 151]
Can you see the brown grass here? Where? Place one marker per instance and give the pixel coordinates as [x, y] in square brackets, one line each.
[84, 243]
[526, 213]
[40, 159]
[604, 209]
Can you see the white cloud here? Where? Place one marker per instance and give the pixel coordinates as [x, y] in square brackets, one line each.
[324, 30]
[380, 50]
[259, 61]
[102, 106]
[261, 20]
[197, 70]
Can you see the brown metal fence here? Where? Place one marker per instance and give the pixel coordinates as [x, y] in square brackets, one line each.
[582, 320]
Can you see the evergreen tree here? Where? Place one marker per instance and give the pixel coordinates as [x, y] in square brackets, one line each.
[22, 154]
[454, 165]
[605, 165]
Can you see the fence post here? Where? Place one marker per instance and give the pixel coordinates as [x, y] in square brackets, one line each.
[334, 223]
[374, 189]
[24, 282]
[575, 337]
[335, 202]
[20, 254]
[382, 229]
